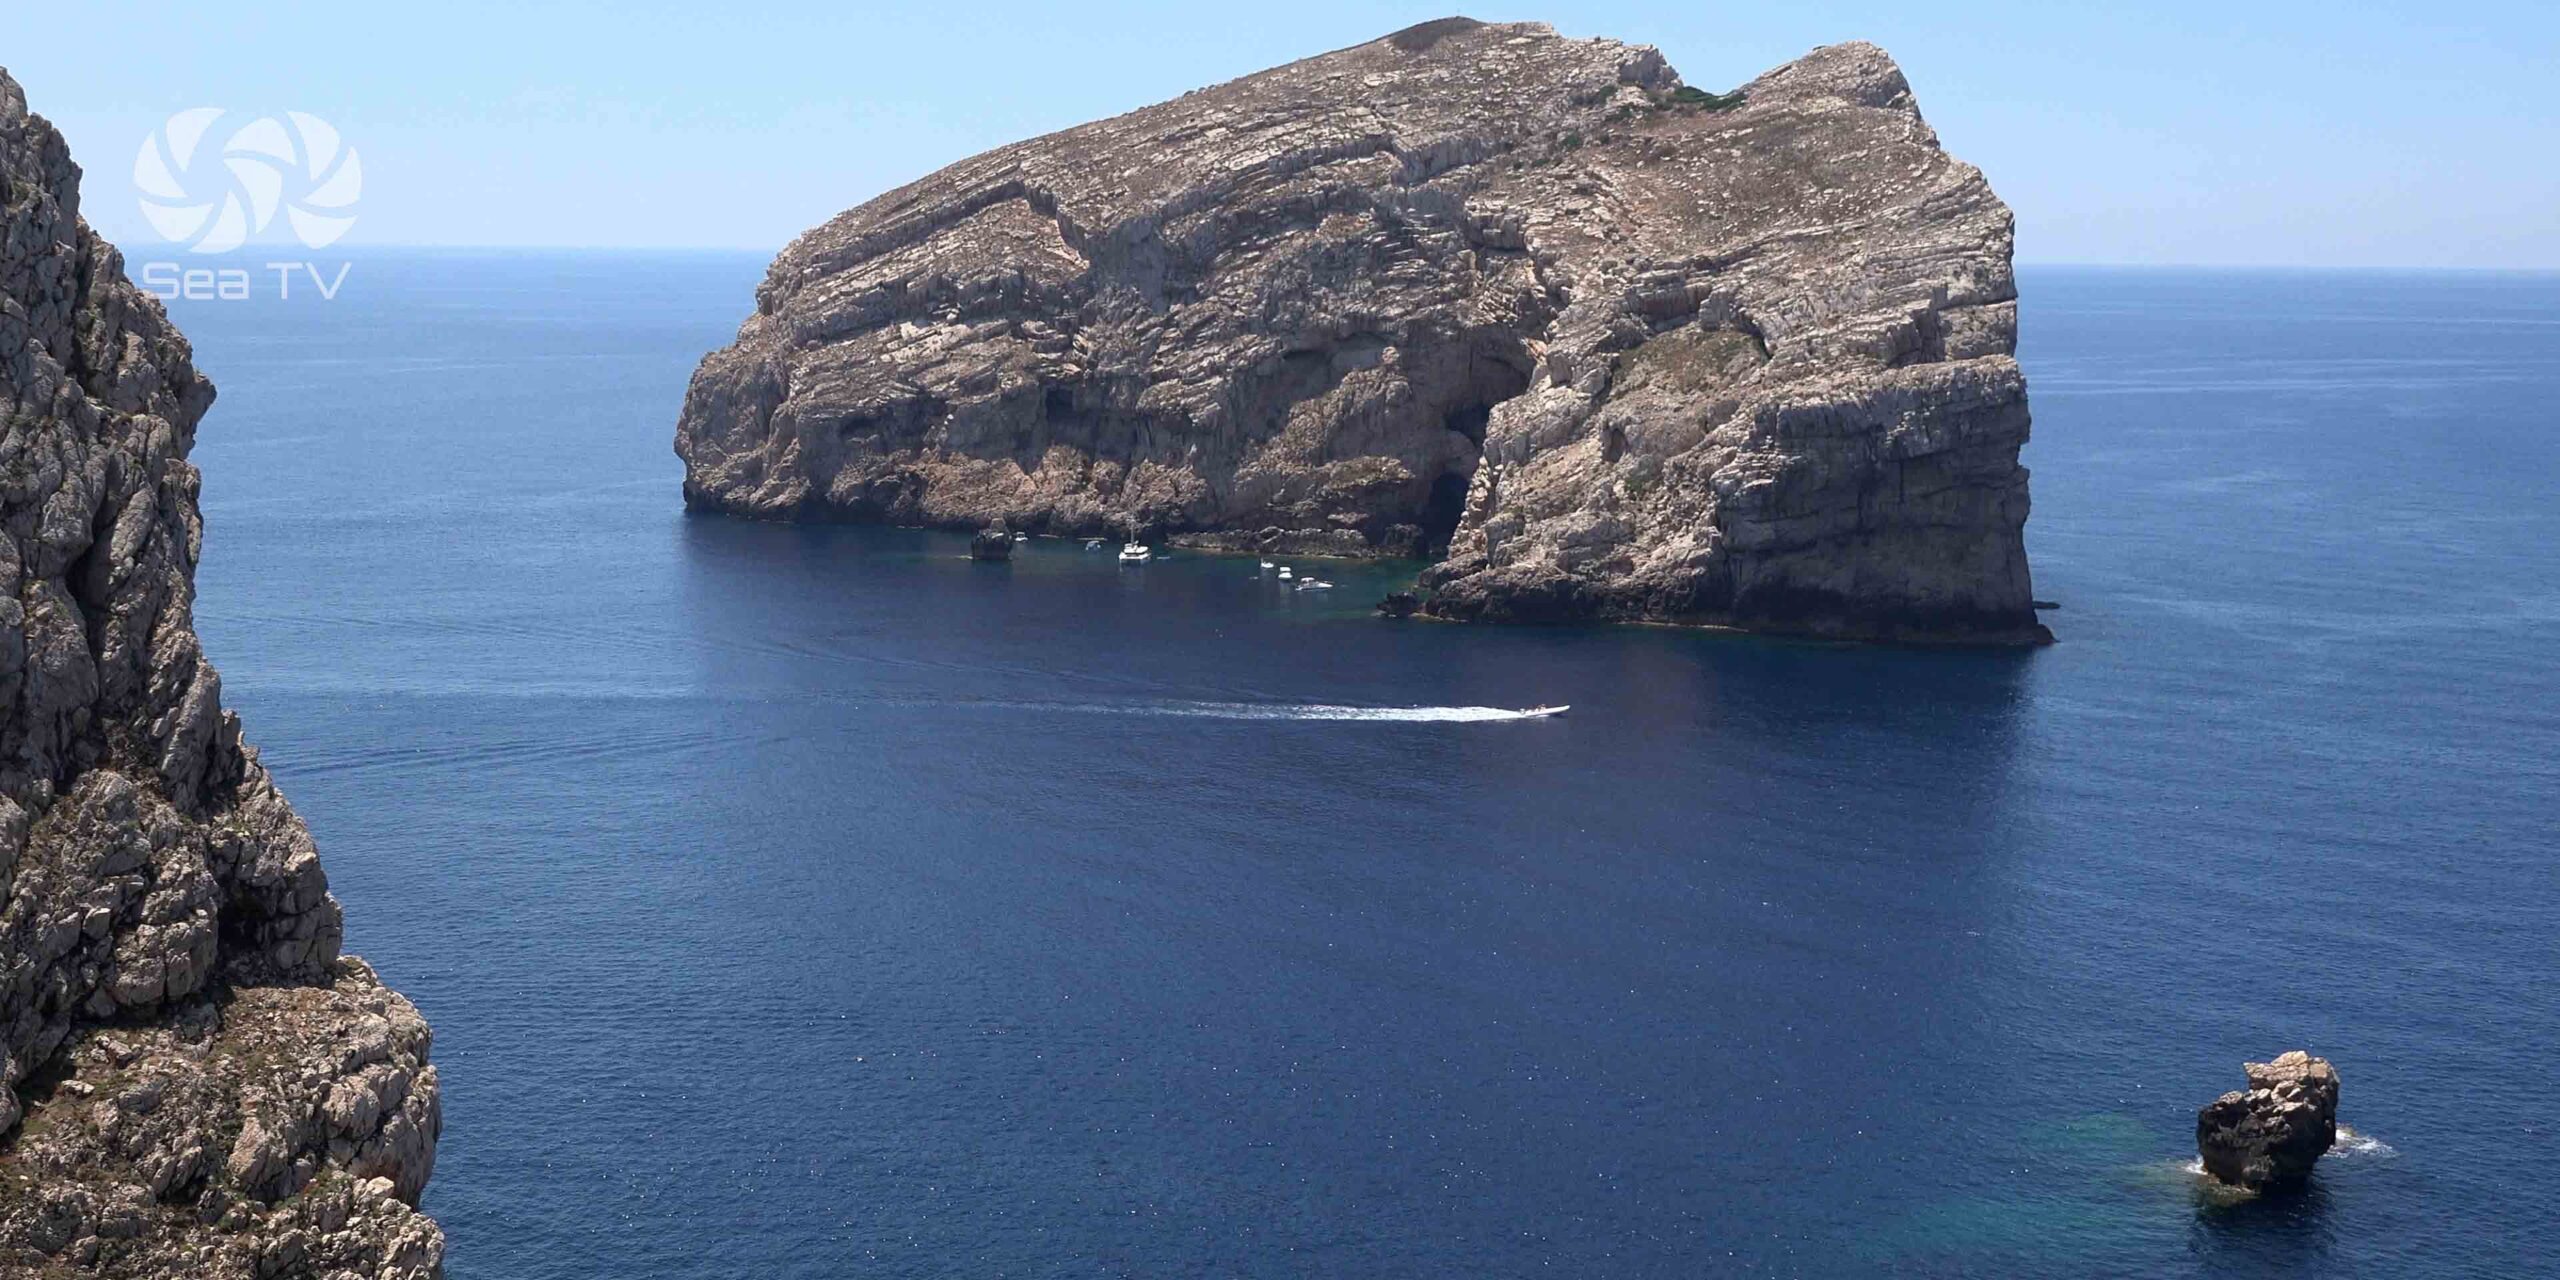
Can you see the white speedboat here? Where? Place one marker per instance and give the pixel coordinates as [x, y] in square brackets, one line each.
[1538, 713]
[1266, 566]
[1314, 584]
[1135, 553]
[1284, 573]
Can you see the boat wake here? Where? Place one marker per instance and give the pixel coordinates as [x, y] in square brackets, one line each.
[1323, 711]
[1248, 710]
[1280, 711]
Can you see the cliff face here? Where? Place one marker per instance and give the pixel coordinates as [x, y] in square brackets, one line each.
[193, 1082]
[1609, 346]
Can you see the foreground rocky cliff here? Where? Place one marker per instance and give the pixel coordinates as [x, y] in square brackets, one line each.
[1606, 345]
[193, 1082]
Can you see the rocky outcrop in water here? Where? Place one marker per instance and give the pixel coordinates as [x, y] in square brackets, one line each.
[193, 1081]
[995, 542]
[1607, 346]
[2271, 1134]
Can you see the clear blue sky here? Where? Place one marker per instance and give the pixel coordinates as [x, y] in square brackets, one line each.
[2332, 133]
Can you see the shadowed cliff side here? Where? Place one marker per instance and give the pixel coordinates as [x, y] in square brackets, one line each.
[193, 1081]
[1604, 345]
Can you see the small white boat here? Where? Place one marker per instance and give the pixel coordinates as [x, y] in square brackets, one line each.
[1093, 544]
[1539, 713]
[1022, 537]
[1266, 565]
[1284, 573]
[1135, 553]
[1314, 584]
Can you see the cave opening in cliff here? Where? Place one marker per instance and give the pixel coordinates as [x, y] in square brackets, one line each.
[1447, 503]
[1440, 515]
[1497, 370]
[1470, 422]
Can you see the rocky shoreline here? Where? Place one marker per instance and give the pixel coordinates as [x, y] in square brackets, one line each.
[1601, 345]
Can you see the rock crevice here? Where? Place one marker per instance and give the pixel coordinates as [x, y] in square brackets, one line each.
[194, 1082]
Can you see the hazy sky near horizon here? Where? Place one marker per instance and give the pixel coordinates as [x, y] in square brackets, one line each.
[2336, 133]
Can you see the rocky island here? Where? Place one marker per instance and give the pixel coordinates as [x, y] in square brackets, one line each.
[194, 1083]
[1600, 344]
[2270, 1135]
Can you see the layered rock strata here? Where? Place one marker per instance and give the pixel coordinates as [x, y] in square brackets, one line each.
[193, 1081]
[1603, 345]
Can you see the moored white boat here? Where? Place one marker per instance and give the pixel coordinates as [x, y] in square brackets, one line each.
[1135, 553]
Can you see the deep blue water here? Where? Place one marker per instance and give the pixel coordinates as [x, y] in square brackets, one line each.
[810, 902]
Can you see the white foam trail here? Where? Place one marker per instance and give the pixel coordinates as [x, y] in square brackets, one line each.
[1323, 711]
[1277, 711]
[2352, 1143]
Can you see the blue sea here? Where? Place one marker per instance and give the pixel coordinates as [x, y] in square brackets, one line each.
[811, 902]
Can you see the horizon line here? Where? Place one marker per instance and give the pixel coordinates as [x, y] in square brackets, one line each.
[130, 247]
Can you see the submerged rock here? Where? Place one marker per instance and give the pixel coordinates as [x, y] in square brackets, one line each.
[1605, 345]
[1400, 604]
[995, 542]
[193, 1081]
[2269, 1135]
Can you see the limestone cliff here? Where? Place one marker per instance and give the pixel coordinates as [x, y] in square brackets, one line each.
[193, 1081]
[1606, 345]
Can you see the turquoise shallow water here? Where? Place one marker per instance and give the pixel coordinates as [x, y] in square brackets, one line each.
[812, 902]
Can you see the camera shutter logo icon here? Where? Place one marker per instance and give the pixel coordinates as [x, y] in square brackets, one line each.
[214, 194]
